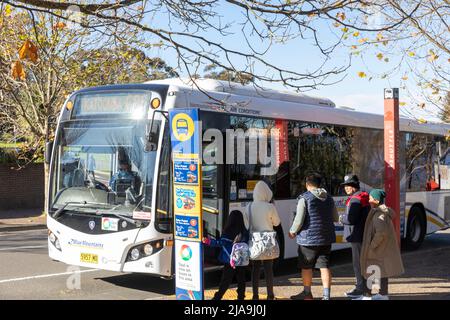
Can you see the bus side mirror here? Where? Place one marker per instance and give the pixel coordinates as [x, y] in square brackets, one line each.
[152, 142]
[48, 151]
[152, 132]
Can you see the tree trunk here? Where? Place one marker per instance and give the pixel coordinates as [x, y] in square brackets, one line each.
[46, 182]
[46, 165]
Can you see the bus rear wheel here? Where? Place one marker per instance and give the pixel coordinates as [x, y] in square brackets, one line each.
[416, 228]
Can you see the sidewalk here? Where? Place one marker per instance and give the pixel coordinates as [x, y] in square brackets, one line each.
[26, 219]
[427, 277]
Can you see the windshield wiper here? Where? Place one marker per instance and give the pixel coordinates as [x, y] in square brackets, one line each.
[129, 220]
[63, 208]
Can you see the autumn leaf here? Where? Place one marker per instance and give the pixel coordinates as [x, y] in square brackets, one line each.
[422, 121]
[411, 54]
[363, 40]
[422, 105]
[402, 103]
[380, 56]
[405, 78]
[8, 10]
[362, 74]
[356, 34]
[433, 56]
[340, 16]
[17, 71]
[28, 51]
[345, 29]
[59, 26]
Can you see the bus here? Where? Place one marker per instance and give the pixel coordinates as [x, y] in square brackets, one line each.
[118, 136]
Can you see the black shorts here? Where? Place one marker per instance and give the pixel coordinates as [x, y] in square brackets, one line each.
[314, 257]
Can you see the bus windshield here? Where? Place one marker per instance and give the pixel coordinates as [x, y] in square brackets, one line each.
[102, 165]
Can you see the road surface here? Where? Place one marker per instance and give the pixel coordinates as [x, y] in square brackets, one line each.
[26, 272]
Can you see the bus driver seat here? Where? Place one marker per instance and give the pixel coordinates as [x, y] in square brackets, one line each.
[78, 178]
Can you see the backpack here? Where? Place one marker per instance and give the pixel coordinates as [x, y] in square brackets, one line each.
[240, 255]
[240, 252]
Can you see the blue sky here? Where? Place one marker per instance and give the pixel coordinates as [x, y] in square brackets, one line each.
[301, 55]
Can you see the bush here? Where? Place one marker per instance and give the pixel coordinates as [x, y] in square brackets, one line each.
[8, 155]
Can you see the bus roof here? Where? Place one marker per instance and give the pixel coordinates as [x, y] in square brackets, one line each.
[212, 85]
[269, 103]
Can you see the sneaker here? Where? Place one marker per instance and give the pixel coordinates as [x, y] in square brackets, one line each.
[326, 298]
[355, 293]
[303, 296]
[380, 297]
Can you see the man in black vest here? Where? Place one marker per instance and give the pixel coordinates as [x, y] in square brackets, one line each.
[313, 227]
[354, 220]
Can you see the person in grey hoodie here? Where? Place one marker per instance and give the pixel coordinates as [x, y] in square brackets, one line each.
[314, 229]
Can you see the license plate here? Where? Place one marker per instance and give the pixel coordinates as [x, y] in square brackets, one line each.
[89, 258]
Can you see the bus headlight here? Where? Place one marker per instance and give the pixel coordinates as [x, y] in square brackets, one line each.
[57, 245]
[54, 240]
[52, 237]
[135, 254]
[148, 249]
[145, 249]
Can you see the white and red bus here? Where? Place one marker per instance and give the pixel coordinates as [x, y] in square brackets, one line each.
[101, 217]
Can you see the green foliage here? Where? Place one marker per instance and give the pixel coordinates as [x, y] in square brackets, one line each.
[213, 72]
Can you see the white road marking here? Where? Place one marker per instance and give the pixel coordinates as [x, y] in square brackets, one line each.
[23, 247]
[47, 276]
[19, 232]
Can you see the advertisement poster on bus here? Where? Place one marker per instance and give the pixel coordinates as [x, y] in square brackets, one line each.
[186, 171]
[282, 147]
[186, 227]
[187, 197]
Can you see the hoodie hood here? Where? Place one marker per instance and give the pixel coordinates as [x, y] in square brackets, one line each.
[262, 192]
[320, 193]
[387, 211]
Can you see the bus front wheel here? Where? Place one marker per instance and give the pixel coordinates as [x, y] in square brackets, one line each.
[416, 228]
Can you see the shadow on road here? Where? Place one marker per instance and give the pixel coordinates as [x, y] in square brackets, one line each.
[142, 282]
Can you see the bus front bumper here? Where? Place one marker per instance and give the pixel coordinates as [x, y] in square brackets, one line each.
[106, 251]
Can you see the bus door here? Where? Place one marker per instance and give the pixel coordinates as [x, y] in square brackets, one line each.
[213, 177]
